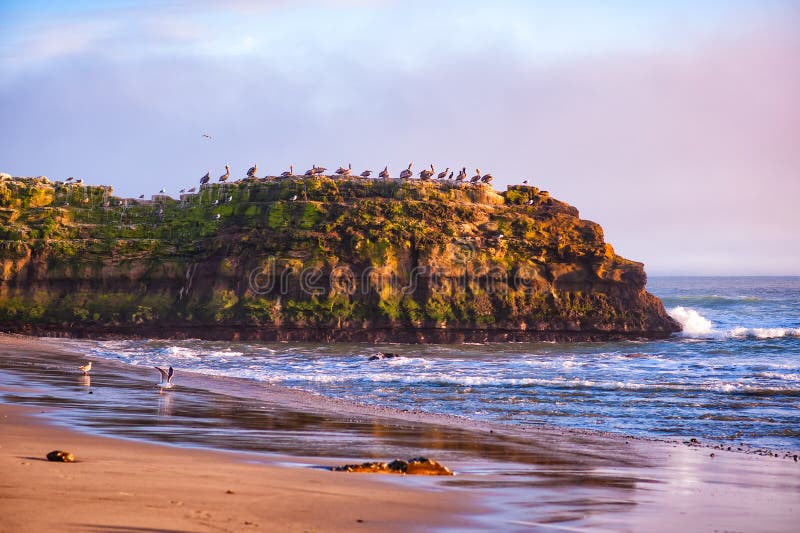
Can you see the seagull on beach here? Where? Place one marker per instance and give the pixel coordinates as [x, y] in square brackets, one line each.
[166, 377]
[85, 368]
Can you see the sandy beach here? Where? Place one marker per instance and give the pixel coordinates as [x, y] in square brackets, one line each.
[274, 443]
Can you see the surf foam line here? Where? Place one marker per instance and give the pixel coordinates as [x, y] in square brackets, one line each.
[697, 326]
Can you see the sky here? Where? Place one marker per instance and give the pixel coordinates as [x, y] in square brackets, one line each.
[673, 124]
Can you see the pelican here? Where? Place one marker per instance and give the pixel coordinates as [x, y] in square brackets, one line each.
[345, 171]
[79, 181]
[182, 191]
[141, 196]
[477, 177]
[227, 174]
[487, 178]
[69, 179]
[251, 172]
[192, 189]
[385, 173]
[366, 174]
[443, 175]
[462, 175]
[450, 177]
[524, 182]
[407, 172]
[289, 173]
[205, 179]
[426, 174]
[85, 368]
[319, 170]
[166, 377]
[312, 171]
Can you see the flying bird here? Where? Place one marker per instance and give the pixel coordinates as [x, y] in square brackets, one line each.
[206, 136]
[166, 377]
[85, 368]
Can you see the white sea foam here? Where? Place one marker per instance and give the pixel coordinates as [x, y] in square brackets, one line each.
[692, 323]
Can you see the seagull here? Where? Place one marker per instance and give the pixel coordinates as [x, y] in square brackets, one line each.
[407, 172]
[217, 216]
[205, 179]
[366, 174]
[289, 173]
[86, 368]
[166, 377]
[293, 198]
[207, 136]
[385, 173]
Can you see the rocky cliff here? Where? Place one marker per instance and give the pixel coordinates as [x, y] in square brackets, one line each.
[315, 259]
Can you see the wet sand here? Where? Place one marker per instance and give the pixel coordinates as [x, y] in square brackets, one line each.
[510, 479]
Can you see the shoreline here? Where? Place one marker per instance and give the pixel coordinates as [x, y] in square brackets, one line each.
[572, 478]
[375, 335]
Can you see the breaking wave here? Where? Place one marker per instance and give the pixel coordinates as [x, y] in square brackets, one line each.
[697, 326]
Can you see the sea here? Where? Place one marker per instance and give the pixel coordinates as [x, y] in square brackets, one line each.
[731, 378]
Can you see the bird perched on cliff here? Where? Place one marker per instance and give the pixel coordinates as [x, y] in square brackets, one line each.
[407, 172]
[477, 177]
[79, 181]
[162, 191]
[311, 171]
[366, 174]
[141, 196]
[426, 174]
[182, 191]
[529, 202]
[251, 172]
[385, 173]
[319, 170]
[487, 178]
[166, 377]
[227, 174]
[205, 179]
[85, 368]
[288, 173]
[69, 179]
[524, 182]
[345, 171]
[450, 177]
[443, 175]
[192, 189]
[462, 175]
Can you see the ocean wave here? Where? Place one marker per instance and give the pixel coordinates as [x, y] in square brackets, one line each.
[697, 326]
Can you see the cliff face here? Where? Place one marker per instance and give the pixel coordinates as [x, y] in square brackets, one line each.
[315, 259]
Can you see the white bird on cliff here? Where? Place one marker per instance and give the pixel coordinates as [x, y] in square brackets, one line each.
[85, 368]
[166, 377]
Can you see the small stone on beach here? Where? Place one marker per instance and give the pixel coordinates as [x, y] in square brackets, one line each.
[61, 456]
